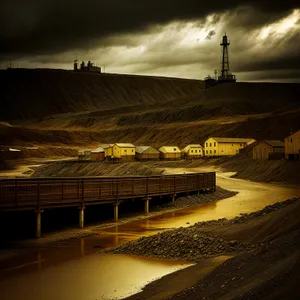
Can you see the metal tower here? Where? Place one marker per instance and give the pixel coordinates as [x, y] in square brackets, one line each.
[225, 70]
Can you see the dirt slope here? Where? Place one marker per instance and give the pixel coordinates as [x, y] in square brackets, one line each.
[64, 107]
[35, 93]
[269, 272]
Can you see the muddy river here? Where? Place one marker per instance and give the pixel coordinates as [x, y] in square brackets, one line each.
[74, 270]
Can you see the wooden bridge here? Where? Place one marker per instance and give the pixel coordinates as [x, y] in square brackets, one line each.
[39, 194]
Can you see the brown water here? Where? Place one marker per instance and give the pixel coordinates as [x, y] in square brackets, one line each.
[73, 269]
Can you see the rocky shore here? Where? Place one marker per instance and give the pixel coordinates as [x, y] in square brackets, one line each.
[192, 243]
[203, 198]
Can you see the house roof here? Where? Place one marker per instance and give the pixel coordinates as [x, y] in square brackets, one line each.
[295, 133]
[232, 140]
[125, 145]
[142, 149]
[188, 147]
[97, 150]
[274, 143]
[249, 147]
[104, 146]
[169, 149]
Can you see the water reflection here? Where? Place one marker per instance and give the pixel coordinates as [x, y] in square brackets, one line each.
[92, 277]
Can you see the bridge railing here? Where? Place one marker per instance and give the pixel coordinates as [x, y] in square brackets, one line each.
[28, 193]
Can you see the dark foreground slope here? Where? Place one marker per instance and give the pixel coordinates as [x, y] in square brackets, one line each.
[35, 93]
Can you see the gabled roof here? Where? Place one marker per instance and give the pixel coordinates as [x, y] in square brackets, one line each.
[104, 146]
[169, 149]
[249, 147]
[295, 133]
[125, 145]
[191, 146]
[231, 140]
[274, 143]
[142, 149]
[97, 150]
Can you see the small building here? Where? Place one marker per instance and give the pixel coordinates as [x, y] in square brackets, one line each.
[98, 154]
[268, 149]
[89, 67]
[193, 151]
[108, 150]
[219, 146]
[292, 146]
[146, 153]
[84, 154]
[248, 150]
[170, 153]
[124, 151]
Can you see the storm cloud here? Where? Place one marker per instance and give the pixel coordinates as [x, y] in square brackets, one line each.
[151, 37]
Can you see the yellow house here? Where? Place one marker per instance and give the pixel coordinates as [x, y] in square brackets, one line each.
[215, 146]
[292, 146]
[192, 151]
[124, 151]
[170, 153]
[108, 150]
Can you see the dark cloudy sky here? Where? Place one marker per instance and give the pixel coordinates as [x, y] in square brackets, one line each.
[161, 37]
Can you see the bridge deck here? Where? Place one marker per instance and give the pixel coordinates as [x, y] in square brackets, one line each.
[42, 193]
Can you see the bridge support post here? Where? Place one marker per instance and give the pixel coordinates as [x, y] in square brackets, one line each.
[81, 217]
[116, 212]
[173, 198]
[38, 232]
[147, 205]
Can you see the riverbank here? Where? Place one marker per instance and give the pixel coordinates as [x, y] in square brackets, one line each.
[265, 245]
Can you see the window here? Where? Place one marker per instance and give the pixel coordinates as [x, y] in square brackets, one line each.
[206, 151]
[231, 144]
[132, 150]
[125, 150]
[241, 145]
[291, 140]
[210, 151]
[214, 144]
[215, 151]
[195, 151]
[174, 149]
[209, 144]
[206, 144]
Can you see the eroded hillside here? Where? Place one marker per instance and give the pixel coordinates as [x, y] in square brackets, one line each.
[85, 109]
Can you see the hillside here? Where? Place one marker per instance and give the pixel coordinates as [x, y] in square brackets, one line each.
[35, 93]
[53, 107]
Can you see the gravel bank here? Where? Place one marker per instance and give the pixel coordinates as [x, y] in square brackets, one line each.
[184, 244]
[194, 200]
[192, 243]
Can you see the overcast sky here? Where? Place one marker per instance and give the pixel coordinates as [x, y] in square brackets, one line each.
[161, 37]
